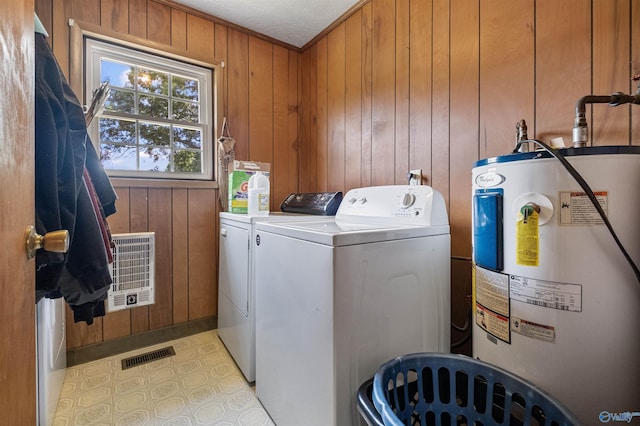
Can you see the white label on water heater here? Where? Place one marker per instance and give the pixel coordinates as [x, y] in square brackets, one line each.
[548, 294]
[577, 209]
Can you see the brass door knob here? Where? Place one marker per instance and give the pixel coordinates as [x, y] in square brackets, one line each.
[55, 241]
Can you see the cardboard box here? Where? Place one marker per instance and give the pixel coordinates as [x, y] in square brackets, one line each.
[239, 181]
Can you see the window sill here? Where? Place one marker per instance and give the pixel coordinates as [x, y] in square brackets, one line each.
[162, 183]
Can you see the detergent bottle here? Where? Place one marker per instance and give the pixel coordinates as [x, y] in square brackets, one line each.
[258, 202]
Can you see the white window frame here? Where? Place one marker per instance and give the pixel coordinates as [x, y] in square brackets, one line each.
[97, 50]
[80, 32]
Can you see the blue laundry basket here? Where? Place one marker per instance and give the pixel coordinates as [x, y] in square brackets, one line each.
[448, 389]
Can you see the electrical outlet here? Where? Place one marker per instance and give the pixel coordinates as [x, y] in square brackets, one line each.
[415, 177]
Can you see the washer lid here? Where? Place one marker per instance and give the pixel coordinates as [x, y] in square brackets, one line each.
[344, 233]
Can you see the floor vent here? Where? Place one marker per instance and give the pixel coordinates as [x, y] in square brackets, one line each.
[148, 357]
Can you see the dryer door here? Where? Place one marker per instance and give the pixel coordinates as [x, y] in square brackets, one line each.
[233, 276]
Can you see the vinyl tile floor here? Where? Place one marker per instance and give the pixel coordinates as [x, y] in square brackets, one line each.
[200, 385]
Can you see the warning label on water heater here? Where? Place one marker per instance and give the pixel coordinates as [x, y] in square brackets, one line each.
[534, 330]
[577, 209]
[491, 299]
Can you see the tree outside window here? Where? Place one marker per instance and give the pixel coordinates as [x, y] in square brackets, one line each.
[156, 120]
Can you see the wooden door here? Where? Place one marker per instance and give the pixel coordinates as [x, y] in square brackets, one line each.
[17, 274]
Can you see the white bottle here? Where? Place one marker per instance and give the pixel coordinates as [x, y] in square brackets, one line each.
[258, 202]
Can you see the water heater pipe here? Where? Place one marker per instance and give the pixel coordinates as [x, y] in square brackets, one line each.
[521, 136]
[580, 129]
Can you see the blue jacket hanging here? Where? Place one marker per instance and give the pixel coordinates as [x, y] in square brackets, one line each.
[63, 196]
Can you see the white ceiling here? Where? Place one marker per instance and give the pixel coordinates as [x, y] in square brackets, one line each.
[295, 22]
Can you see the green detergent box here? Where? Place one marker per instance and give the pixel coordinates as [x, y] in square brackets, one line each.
[239, 182]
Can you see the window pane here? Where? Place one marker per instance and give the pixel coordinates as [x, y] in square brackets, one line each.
[154, 159]
[187, 162]
[120, 101]
[185, 111]
[153, 123]
[187, 138]
[116, 73]
[117, 131]
[153, 81]
[185, 88]
[154, 134]
[118, 157]
[153, 106]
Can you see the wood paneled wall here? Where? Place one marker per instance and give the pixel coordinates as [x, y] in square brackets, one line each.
[439, 84]
[399, 85]
[260, 94]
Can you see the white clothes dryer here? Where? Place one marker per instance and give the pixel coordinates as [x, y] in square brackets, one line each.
[337, 298]
[236, 292]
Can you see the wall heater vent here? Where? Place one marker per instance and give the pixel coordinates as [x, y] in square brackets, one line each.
[132, 271]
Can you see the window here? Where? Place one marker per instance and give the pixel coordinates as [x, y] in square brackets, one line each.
[158, 119]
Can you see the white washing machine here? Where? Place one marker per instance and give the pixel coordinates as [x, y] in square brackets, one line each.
[337, 298]
[236, 292]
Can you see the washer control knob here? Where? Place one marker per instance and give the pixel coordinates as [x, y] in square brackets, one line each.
[352, 200]
[408, 200]
[363, 200]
